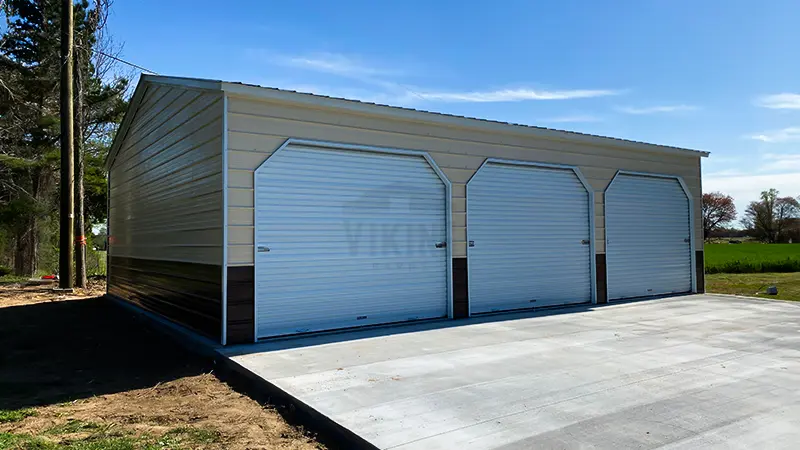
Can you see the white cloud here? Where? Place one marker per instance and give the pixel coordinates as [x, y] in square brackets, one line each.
[780, 162]
[779, 101]
[747, 188]
[578, 118]
[364, 95]
[656, 109]
[336, 64]
[789, 134]
[513, 95]
[772, 170]
[384, 77]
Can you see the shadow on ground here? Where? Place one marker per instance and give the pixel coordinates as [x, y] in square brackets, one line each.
[58, 351]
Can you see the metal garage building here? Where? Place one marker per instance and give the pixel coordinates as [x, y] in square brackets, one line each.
[246, 212]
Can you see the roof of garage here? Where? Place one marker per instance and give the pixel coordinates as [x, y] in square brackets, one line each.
[387, 111]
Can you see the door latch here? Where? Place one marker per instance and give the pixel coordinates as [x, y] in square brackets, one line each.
[585, 241]
[472, 243]
[263, 249]
[441, 244]
[687, 240]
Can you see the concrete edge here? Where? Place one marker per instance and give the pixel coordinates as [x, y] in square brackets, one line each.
[331, 433]
[747, 297]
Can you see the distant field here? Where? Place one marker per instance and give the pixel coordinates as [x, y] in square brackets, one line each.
[752, 258]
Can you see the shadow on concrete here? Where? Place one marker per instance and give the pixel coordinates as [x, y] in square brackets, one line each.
[351, 334]
[58, 351]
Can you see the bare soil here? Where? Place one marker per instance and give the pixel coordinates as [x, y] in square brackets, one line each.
[79, 372]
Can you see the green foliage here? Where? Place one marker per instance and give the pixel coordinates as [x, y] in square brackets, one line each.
[12, 279]
[15, 415]
[30, 124]
[4, 271]
[752, 258]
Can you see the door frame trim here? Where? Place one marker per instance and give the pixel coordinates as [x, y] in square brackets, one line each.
[592, 229]
[367, 149]
[686, 192]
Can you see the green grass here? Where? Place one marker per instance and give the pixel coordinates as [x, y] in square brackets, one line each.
[16, 415]
[76, 426]
[752, 258]
[11, 279]
[101, 437]
[754, 284]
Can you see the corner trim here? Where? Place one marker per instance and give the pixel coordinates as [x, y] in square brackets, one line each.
[224, 338]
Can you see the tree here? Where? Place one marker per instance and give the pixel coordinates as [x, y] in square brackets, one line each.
[770, 217]
[29, 126]
[718, 210]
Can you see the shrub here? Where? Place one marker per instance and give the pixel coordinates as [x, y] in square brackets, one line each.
[748, 266]
[4, 270]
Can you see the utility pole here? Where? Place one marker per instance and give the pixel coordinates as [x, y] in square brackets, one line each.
[67, 170]
[80, 239]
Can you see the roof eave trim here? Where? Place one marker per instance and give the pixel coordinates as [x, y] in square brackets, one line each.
[390, 112]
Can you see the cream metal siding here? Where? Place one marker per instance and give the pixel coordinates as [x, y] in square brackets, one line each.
[166, 180]
[258, 127]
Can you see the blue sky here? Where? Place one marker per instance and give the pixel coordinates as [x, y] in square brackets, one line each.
[722, 76]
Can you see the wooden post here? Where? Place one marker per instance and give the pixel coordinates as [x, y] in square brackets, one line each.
[67, 170]
[80, 229]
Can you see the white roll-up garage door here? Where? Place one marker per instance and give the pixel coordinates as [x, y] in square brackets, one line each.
[348, 238]
[648, 237]
[529, 232]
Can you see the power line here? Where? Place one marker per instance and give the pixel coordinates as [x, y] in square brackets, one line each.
[124, 62]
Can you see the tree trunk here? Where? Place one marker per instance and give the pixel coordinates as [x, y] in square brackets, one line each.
[25, 249]
[80, 237]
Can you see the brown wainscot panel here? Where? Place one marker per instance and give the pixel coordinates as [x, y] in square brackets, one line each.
[187, 293]
[602, 289]
[700, 271]
[241, 304]
[460, 288]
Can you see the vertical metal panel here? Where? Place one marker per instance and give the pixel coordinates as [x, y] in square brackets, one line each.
[348, 238]
[648, 236]
[531, 229]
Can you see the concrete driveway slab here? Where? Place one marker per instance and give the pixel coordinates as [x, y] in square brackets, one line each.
[681, 372]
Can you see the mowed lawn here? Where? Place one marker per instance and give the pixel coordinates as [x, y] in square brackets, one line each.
[749, 268]
[755, 284]
[752, 257]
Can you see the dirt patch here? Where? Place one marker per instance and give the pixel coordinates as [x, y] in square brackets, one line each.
[15, 294]
[199, 406]
[79, 369]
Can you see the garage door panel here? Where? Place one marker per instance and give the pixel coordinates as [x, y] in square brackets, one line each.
[648, 251]
[351, 239]
[530, 228]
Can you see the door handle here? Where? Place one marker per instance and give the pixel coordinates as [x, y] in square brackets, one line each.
[441, 244]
